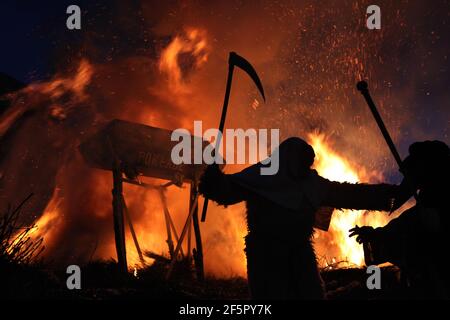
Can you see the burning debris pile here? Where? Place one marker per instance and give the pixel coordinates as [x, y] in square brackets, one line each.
[310, 57]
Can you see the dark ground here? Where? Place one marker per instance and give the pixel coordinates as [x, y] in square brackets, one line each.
[101, 281]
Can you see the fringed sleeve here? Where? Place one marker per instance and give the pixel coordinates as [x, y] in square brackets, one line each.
[358, 196]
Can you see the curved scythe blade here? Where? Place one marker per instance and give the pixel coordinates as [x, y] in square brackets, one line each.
[238, 61]
[242, 63]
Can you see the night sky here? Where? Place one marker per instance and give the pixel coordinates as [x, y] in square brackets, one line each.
[35, 37]
[26, 33]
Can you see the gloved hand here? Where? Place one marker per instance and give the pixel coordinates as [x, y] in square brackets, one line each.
[363, 234]
[209, 179]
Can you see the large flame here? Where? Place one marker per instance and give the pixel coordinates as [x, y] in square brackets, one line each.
[146, 209]
[334, 247]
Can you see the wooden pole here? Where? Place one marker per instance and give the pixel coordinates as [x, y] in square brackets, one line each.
[189, 241]
[133, 233]
[119, 230]
[166, 219]
[175, 232]
[198, 253]
[180, 241]
[147, 185]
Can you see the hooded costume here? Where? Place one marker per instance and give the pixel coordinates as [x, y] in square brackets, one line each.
[418, 240]
[281, 262]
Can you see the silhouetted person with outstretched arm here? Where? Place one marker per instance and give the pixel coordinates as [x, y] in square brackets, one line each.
[418, 240]
[281, 263]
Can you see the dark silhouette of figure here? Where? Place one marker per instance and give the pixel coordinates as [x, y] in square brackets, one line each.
[281, 263]
[418, 240]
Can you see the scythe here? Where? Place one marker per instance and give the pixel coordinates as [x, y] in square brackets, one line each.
[234, 60]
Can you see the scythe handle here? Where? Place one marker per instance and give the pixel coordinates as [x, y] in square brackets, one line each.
[363, 88]
[221, 126]
[204, 209]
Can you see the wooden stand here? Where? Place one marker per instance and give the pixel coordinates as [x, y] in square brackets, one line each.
[119, 207]
[147, 148]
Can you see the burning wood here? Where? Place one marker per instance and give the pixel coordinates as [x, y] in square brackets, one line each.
[157, 257]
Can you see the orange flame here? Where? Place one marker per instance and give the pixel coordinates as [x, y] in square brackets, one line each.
[223, 237]
[54, 89]
[76, 84]
[192, 42]
[335, 246]
[49, 224]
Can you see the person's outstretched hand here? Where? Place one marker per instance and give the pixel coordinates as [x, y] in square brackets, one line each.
[209, 178]
[363, 234]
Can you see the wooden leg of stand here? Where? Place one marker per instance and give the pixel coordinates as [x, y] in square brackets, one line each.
[198, 256]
